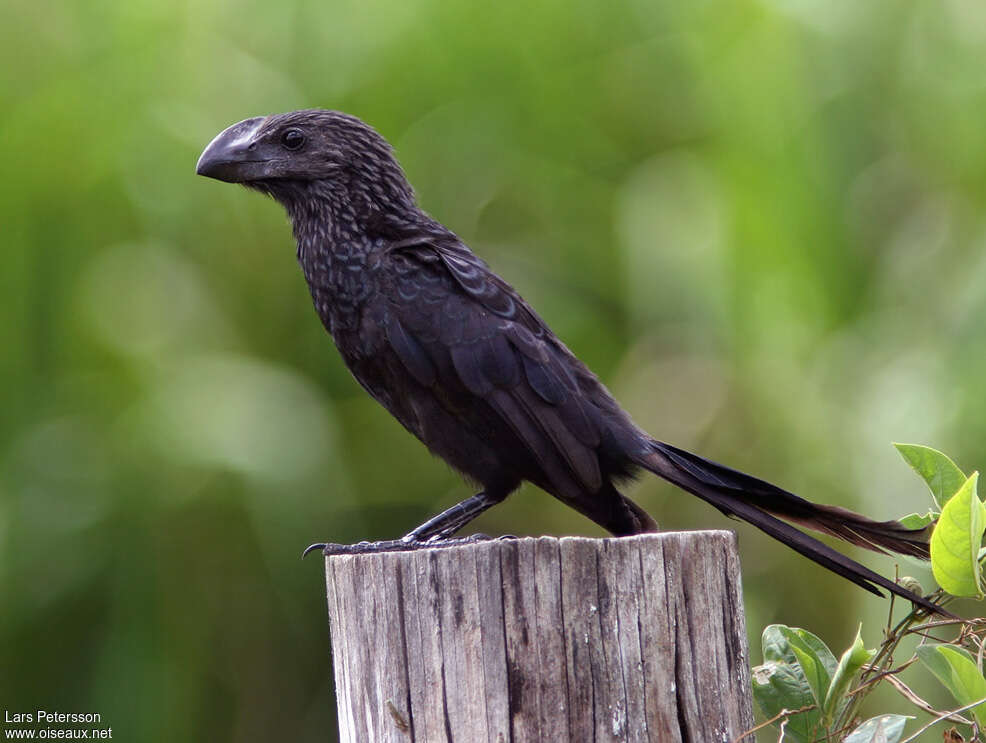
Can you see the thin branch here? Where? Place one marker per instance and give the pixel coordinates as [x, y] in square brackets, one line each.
[785, 713]
[938, 623]
[943, 716]
[918, 702]
[882, 675]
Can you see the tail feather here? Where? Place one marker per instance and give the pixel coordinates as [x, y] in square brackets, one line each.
[764, 505]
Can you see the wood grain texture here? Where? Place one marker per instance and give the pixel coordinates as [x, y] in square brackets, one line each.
[527, 640]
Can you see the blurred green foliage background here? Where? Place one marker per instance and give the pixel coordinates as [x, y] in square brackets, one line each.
[761, 222]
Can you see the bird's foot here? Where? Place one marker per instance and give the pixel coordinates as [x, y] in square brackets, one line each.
[411, 541]
[406, 543]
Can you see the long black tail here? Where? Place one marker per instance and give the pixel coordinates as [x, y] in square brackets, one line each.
[764, 505]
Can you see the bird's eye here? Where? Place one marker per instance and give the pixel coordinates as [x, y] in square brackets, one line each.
[293, 139]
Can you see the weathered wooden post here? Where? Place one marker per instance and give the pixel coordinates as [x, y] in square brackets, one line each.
[528, 640]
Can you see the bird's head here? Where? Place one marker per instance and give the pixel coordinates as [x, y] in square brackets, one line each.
[301, 155]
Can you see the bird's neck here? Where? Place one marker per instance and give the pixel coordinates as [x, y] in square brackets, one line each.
[333, 214]
[321, 220]
[340, 239]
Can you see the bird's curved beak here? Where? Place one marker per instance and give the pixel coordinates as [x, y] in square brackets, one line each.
[232, 156]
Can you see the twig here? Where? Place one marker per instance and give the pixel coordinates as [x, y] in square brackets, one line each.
[945, 623]
[785, 713]
[918, 702]
[943, 716]
[881, 675]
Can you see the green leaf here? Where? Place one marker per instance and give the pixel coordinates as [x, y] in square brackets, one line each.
[781, 683]
[918, 521]
[882, 729]
[935, 661]
[815, 659]
[777, 639]
[779, 686]
[944, 478]
[849, 664]
[957, 670]
[956, 540]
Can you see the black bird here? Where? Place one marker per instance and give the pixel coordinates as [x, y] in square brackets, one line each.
[466, 365]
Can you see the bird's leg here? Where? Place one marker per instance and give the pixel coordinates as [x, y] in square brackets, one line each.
[448, 522]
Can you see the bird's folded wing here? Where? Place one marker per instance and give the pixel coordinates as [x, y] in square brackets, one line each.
[453, 322]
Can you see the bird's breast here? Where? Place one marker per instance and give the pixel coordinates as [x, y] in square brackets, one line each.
[342, 279]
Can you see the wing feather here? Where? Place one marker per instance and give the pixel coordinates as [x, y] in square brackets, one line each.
[499, 352]
[411, 353]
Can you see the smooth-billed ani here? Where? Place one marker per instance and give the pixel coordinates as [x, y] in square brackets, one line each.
[466, 365]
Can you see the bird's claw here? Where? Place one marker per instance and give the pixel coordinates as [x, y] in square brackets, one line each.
[312, 547]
